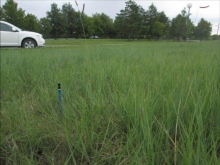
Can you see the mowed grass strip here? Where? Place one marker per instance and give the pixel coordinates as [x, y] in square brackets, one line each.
[138, 103]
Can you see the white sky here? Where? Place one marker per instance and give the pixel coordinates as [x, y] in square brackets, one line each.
[111, 7]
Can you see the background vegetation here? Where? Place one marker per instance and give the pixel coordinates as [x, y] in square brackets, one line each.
[132, 22]
[130, 103]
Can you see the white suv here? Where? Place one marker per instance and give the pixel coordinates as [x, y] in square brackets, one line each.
[14, 36]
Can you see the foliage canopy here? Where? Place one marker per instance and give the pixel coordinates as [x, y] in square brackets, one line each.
[131, 22]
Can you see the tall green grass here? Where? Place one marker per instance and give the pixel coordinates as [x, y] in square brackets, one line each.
[137, 103]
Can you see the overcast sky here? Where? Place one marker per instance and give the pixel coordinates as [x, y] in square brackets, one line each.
[111, 7]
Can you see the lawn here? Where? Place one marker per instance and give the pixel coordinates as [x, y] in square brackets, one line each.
[136, 102]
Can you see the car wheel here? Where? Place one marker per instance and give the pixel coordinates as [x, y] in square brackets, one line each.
[29, 43]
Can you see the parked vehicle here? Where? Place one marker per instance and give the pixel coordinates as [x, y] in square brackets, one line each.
[94, 37]
[14, 36]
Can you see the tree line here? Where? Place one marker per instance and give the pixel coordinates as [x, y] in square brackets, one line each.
[132, 22]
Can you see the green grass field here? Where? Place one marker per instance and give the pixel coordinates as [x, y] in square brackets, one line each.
[139, 102]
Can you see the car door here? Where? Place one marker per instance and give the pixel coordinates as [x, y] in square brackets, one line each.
[8, 37]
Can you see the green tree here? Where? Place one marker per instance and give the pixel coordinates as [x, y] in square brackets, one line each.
[119, 26]
[107, 24]
[181, 26]
[103, 25]
[178, 27]
[203, 30]
[151, 18]
[13, 14]
[143, 28]
[162, 18]
[158, 29]
[69, 15]
[78, 25]
[56, 21]
[98, 24]
[130, 20]
[45, 27]
[88, 23]
[215, 37]
[31, 23]
[1, 13]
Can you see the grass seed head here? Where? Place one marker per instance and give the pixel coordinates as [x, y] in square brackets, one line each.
[76, 3]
